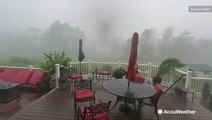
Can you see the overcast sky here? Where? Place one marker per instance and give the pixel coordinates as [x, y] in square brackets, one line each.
[119, 19]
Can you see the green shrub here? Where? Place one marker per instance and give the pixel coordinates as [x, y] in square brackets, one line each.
[49, 61]
[166, 67]
[119, 73]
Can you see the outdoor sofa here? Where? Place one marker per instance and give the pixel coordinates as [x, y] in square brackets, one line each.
[29, 80]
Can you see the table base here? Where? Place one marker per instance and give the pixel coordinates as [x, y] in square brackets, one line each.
[125, 108]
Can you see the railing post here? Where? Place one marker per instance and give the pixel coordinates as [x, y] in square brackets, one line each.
[30, 67]
[57, 74]
[149, 71]
[90, 66]
[119, 64]
[188, 80]
[173, 73]
[70, 65]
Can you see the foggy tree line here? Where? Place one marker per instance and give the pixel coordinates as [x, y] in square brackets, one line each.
[63, 37]
[34, 42]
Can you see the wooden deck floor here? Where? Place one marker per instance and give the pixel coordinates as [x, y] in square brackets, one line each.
[9, 109]
[58, 105]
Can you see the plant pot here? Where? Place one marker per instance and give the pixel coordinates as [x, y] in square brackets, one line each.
[157, 79]
[119, 77]
[210, 102]
[178, 92]
[52, 84]
[63, 86]
[205, 94]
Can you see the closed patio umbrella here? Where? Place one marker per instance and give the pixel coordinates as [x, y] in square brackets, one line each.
[131, 71]
[81, 54]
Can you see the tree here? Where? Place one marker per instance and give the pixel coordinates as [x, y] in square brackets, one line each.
[146, 44]
[61, 37]
[164, 46]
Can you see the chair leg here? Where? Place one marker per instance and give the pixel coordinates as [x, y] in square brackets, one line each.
[75, 107]
[156, 112]
[78, 115]
[134, 105]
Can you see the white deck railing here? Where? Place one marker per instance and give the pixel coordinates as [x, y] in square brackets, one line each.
[150, 70]
[145, 70]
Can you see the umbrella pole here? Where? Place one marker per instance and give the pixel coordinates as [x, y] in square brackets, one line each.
[128, 85]
[80, 68]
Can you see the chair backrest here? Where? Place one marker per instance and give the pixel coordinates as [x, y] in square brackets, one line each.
[82, 84]
[156, 97]
[95, 111]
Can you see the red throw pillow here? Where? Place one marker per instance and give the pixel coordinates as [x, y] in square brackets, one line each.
[36, 77]
[21, 76]
[1, 74]
[8, 74]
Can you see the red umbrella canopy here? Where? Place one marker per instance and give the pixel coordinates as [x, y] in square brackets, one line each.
[131, 71]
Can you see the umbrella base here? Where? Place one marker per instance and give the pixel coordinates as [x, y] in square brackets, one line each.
[125, 108]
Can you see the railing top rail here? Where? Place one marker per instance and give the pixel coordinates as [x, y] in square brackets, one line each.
[115, 63]
[200, 78]
[180, 71]
[78, 62]
[20, 67]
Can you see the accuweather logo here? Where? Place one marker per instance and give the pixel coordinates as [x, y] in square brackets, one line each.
[185, 112]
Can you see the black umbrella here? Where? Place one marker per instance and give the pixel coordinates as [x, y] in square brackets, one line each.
[81, 54]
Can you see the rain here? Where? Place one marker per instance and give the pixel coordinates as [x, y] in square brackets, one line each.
[166, 29]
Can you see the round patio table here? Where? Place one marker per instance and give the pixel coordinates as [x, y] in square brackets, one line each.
[135, 91]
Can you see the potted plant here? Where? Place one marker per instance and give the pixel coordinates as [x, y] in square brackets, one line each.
[119, 73]
[49, 61]
[166, 67]
[206, 91]
[62, 82]
[64, 72]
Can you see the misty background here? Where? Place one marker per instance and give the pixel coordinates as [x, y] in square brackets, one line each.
[28, 28]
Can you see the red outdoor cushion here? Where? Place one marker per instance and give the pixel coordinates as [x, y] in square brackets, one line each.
[21, 76]
[84, 94]
[36, 77]
[139, 79]
[88, 115]
[74, 76]
[1, 74]
[8, 74]
[158, 89]
[104, 72]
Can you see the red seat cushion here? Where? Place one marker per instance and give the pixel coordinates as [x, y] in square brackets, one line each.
[1, 74]
[139, 79]
[155, 98]
[88, 114]
[104, 72]
[22, 76]
[2, 80]
[36, 77]
[74, 76]
[8, 74]
[84, 94]
[158, 88]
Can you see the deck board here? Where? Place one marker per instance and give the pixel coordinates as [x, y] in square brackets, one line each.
[12, 108]
[58, 105]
